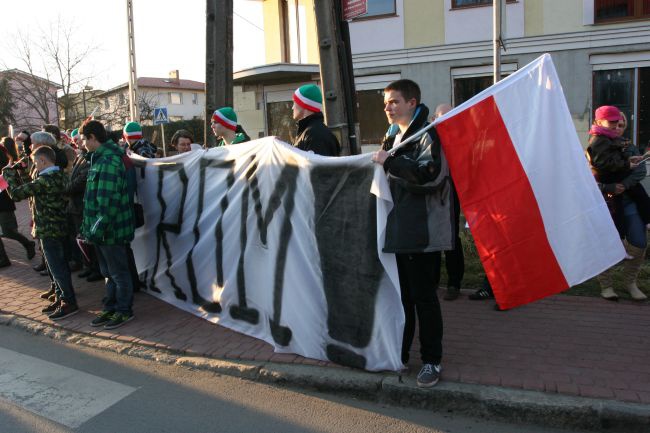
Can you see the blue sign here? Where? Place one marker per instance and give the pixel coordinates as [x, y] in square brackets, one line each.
[160, 116]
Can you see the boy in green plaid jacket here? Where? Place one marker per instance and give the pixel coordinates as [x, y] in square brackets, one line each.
[108, 222]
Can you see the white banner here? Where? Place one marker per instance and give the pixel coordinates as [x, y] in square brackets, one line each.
[278, 244]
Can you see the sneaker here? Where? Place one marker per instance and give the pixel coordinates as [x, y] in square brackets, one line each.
[65, 310]
[452, 293]
[481, 294]
[39, 267]
[94, 276]
[51, 308]
[46, 295]
[429, 375]
[117, 320]
[102, 318]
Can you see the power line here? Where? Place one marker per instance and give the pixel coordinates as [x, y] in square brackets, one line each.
[249, 22]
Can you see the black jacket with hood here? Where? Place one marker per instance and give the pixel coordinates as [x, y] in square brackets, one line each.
[422, 216]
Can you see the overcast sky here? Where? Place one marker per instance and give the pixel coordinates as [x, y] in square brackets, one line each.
[169, 34]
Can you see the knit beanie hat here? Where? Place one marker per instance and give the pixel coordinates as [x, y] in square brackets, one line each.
[608, 112]
[132, 131]
[309, 97]
[225, 116]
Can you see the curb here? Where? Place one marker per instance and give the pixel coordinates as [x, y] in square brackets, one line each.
[505, 404]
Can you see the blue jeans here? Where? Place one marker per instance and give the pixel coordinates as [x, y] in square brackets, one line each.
[57, 263]
[114, 266]
[635, 229]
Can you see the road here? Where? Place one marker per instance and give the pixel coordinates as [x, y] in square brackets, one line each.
[47, 386]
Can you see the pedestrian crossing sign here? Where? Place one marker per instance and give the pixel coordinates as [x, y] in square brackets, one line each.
[160, 116]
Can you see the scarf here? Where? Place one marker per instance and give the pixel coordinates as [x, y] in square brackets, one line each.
[601, 130]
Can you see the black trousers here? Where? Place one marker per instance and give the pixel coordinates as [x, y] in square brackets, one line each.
[418, 277]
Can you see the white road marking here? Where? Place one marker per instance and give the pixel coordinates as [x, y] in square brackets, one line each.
[61, 394]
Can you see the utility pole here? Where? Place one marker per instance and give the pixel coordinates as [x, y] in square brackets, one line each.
[133, 76]
[337, 76]
[496, 31]
[218, 61]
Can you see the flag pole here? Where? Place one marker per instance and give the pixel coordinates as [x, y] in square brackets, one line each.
[496, 33]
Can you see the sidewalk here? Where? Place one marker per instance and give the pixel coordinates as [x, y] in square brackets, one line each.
[571, 346]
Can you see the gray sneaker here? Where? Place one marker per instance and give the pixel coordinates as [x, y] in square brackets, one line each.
[429, 375]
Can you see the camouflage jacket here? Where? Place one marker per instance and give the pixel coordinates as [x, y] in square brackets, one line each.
[48, 192]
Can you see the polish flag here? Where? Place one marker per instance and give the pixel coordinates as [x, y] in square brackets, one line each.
[539, 222]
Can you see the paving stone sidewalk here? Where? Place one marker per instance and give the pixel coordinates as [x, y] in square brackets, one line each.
[575, 346]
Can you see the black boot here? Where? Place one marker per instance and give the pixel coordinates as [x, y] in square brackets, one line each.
[4, 260]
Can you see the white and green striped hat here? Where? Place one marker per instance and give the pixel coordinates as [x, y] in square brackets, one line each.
[132, 131]
[309, 97]
[226, 116]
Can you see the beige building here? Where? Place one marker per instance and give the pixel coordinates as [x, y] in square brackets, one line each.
[601, 50]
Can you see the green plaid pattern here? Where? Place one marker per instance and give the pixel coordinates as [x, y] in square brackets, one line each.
[108, 212]
[49, 201]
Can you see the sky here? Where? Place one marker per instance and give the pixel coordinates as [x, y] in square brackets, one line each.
[169, 35]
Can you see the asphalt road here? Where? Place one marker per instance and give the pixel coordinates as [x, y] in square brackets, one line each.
[48, 386]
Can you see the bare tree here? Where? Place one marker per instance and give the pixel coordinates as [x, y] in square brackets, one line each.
[6, 107]
[56, 70]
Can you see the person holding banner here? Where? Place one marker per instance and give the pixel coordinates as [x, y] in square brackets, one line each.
[135, 141]
[312, 134]
[225, 127]
[420, 224]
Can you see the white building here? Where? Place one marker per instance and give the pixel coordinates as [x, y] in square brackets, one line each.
[184, 99]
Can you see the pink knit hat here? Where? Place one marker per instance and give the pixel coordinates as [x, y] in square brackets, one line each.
[608, 112]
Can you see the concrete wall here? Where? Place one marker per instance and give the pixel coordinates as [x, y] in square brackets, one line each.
[424, 23]
[246, 106]
[379, 34]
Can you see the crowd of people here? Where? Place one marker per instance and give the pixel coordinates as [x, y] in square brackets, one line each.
[81, 188]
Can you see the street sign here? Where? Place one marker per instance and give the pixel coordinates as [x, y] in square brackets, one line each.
[354, 8]
[160, 116]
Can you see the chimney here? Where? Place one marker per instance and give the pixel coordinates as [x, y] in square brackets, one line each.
[174, 76]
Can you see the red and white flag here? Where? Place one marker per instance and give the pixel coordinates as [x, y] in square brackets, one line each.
[539, 222]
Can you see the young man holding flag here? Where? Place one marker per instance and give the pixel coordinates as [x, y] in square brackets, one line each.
[420, 224]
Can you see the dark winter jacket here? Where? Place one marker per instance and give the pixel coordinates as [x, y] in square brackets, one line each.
[77, 185]
[422, 216]
[6, 203]
[314, 136]
[143, 148]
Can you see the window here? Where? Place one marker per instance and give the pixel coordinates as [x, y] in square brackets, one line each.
[107, 104]
[371, 116]
[457, 4]
[280, 120]
[621, 10]
[380, 7]
[175, 98]
[195, 98]
[121, 99]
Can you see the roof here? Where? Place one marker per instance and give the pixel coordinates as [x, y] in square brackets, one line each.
[275, 73]
[19, 72]
[163, 83]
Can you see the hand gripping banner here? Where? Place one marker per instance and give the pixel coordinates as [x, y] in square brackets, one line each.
[278, 244]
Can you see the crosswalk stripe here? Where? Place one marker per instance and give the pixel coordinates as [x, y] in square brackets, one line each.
[61, 394]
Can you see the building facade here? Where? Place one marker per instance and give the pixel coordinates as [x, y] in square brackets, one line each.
[601, 50]
[34, 100]
[184, 99]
